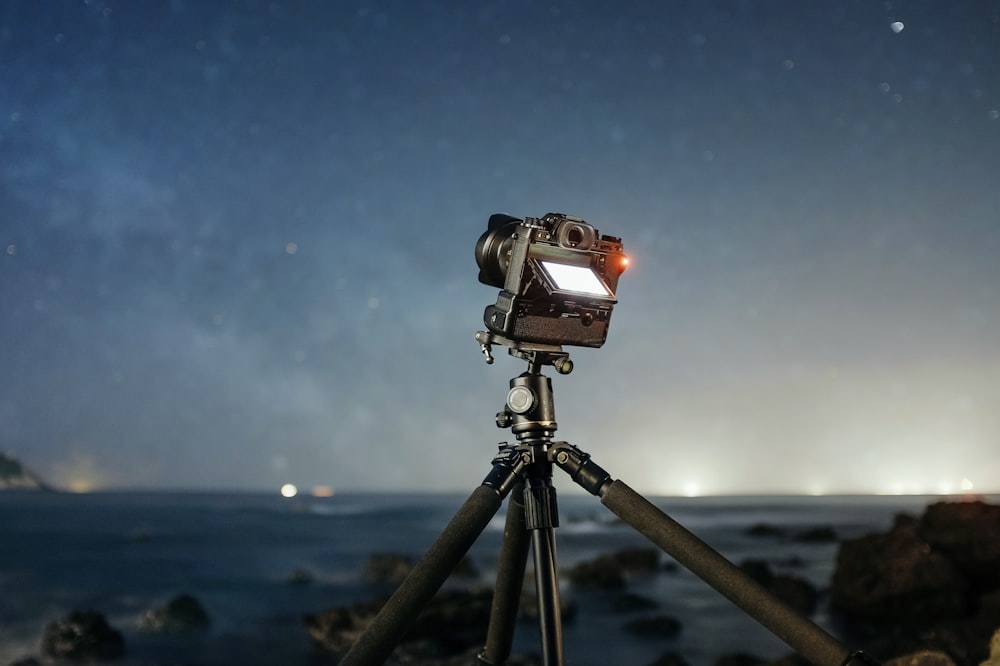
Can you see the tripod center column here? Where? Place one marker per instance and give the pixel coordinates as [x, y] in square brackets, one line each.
[541, 510]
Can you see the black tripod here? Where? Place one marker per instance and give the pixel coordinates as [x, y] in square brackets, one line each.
[526, 468]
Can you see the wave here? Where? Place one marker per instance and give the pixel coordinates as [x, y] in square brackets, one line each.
[331, 509]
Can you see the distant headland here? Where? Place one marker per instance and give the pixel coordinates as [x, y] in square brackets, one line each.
[15, 476]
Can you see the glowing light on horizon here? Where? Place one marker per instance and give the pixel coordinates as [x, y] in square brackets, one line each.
[692, 489]
[81, 486]
[289, 490]
[944, 487]
[904, 488]
[949, 488]
[322, 491]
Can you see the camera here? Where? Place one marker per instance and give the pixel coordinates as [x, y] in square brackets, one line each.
[558, 278]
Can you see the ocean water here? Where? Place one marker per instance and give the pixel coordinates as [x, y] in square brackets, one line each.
[124, 553]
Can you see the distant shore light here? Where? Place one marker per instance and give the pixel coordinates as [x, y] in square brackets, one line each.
[81, 486]
[322, 491]
[289, 490]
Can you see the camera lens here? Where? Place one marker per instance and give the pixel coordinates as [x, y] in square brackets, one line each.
[493, 251]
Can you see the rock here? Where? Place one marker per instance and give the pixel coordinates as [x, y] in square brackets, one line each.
[791, 561]
[989, 603]
[412, 658]
[896, 577]
[904, 520]
[968, 534]
[821, 534]
[611, 571]
[628, 602]
[637, 561]
[299, 576]
[654, 626]
[765, 530]
[929, 584]
[466, 569]
[15, 476]
[922, 658]
[82, 636]
[601, 572]
[739, 659]
[965, 641]
[454, 622]
[387, 568]
[27, 661]
[994, 658]
[798, 593]
[181, 614]
[669, 659]
[335, 630]
[527, 608]
[790, 659]
[824, 534]
[759, 570]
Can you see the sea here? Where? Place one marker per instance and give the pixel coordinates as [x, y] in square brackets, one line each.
[122, 554]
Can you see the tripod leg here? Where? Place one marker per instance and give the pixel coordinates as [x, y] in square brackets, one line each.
[541, 518]
[379, 639]
[510, 580]
[698, 557]
[547, 589]
[797, 631]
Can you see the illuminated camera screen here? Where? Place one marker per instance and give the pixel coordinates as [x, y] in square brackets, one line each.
[577, 279]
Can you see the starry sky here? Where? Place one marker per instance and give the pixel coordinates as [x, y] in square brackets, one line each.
[236, 239]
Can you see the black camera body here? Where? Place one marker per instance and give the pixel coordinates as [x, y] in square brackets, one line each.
[558, 279]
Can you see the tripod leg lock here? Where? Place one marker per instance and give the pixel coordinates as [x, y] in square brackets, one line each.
[587, 474]
[507, 467]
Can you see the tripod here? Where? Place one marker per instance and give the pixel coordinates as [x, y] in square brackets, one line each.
[526, 468]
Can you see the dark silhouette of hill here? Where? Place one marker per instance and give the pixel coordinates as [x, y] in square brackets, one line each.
[15, 476]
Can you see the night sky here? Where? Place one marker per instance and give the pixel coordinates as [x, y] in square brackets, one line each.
[236, 239]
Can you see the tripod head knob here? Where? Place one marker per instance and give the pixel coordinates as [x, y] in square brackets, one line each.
[563, 365]
[505, 419]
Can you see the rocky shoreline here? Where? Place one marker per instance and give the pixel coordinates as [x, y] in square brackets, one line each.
[924, 593]
[930, 583]
[14, 476]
